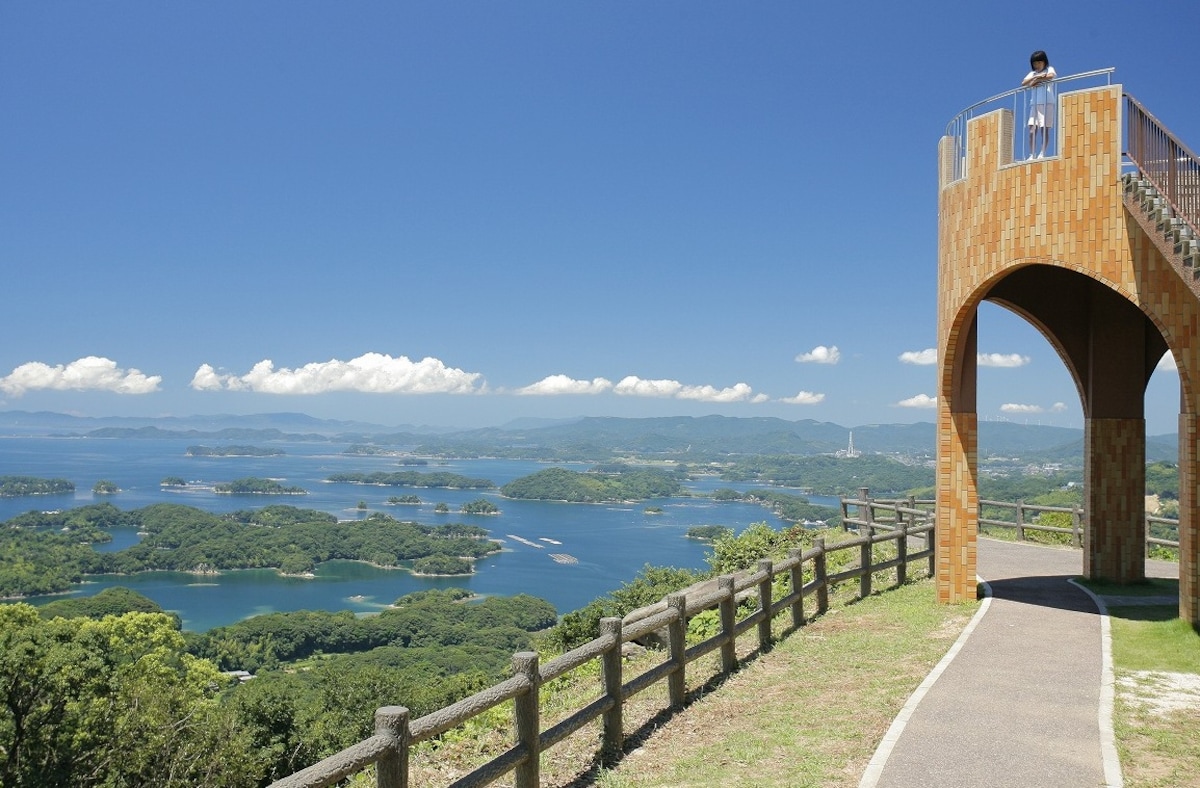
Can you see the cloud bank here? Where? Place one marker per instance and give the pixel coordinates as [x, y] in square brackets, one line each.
[373, 373]
[91, 373]
[633, 386]
[820, 355]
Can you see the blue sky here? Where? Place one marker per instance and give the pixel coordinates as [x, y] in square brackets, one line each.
[461, 213]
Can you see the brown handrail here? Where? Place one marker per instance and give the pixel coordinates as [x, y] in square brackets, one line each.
[1163, 160]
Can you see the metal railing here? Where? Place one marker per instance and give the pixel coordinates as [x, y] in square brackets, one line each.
[1163, 160]
[395, 734]
[1020, 101]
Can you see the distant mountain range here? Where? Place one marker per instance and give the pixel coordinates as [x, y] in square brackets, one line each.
[587, 438]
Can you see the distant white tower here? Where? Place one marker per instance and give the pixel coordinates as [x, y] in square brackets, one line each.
[850, 452]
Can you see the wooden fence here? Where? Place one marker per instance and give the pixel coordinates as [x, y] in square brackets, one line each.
[1025, 518]
[395, 733]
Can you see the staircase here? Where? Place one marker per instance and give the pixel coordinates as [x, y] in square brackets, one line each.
[1178, 240]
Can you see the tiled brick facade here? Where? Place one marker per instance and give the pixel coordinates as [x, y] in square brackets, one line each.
[1051, 240]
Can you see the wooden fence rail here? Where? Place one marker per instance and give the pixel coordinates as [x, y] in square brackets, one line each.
[1024, 518]
[395, 734]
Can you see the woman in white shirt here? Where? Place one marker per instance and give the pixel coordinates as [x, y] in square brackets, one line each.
[1041, 100]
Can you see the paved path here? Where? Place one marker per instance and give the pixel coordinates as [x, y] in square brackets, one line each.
[1018, 700]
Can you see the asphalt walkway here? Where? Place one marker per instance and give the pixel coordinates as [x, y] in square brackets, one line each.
[1024, 698]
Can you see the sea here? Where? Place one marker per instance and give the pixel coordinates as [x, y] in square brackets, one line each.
[568, 554]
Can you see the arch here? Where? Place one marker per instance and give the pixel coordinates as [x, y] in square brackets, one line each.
[1053, 242]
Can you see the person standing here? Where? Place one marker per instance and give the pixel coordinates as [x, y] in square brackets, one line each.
[1042, 101]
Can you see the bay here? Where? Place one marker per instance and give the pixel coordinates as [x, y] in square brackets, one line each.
[598, 546]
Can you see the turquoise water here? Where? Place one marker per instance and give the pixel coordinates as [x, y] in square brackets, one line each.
[610, 543]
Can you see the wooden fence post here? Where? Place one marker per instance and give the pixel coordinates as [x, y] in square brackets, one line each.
[391, 770]
[728, 609]
[528, 723]
[864, 562]
[677, 635]
[614, 734]
[764, 604]
[902, 548]
[797, 588]
[821, 576]
[1021, 520]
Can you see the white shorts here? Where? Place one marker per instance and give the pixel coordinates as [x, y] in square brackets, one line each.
[1041, 116]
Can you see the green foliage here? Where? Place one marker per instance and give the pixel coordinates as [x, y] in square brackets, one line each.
[649, 586]
[827, 475]
[108, 703]
[252, 485]
[113, 601]
[1162, 479]
[708, 532]
[442, 565]
[442, 479]
[404, 499]
[173, 481]
[480, 506]
[105, 487]
[625, 484]
[734, 553]
[430, 619]
[42, 553]
[13, 486]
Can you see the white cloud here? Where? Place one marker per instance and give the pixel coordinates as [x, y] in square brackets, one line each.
[919, 357]
[804, 398]
[561, 384]
[1167, 363]
[633, 386]
[1002, 360]
[92, 373]
[739, 392]
[820, 355]
[373, 373]
[1013, 407]
[919, 401]
[1058, 407]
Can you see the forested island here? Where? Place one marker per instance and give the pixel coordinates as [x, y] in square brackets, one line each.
[437, 479]
[252, 485]
[14, 486]
[612, 484]
[369, 450]
[232, 451]
[46, 552]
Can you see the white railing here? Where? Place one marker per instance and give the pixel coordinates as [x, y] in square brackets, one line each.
[1019, 101]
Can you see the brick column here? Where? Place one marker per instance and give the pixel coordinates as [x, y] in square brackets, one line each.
[1189, 520]
[957, 504]
[1114, 452]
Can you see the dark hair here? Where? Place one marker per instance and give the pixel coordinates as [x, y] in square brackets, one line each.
[1036, 56]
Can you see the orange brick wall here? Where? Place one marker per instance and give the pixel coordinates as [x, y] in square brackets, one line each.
[1065, 211]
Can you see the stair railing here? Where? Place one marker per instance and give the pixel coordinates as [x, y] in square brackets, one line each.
[1163, 160]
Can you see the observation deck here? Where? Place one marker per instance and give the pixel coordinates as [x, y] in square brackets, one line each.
[1096, 245]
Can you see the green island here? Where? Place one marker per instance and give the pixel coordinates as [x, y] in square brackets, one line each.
[105, 487]
[604, 484]
[479, 506]
[173, 481]
[48, 552]
[14, 486]
[370, 450]
[707, 533]
[404, 500]
[438, 479]
[252, 485]
[232, 451]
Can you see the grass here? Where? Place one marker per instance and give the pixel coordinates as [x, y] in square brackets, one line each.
[1156, 656]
